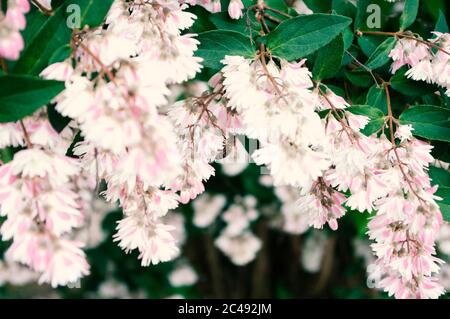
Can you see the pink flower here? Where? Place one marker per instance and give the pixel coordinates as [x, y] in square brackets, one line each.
[235, 9]
[216, 6]
[11, 45]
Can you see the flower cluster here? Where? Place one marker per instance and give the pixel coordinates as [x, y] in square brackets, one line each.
[428, 61]
[40, 198]
[236, 240]
[329, 157]
[117, 88]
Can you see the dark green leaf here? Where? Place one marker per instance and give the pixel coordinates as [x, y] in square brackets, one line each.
[93, 12]
[303, 35]
[223, 21]
[441, 151]
[369, 44]
[441, 25]
[22, 95]
[402, 84]
[439, 176]
[51, 35]
[216, 44]
[372, 14]
[409, 13]
[61, 54]
[376, 97]
[444, 204]
[348, 38]
[329, 59]
[344, 8]
[430, 122]
[202, 23]
[359, 78]
[57, 121]
[381, 55]
[318, 6]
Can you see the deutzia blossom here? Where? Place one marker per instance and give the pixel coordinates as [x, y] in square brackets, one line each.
[41, 206]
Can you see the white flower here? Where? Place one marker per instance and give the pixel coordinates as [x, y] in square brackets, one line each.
[66, 266]
[207, 208]
[152, 239]
[183, 275]
[241, 249]
[404, 132]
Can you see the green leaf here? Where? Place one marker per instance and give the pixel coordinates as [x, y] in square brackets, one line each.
[344, 8]
[375, 115]
[223, 21]
[360, 221]
[318, 6]
[93, 12]
[61, 54]
[371, 12]
[216, 44]
[381, 55]
[376, 97]
[441, 151]
[276, 4]
[202, 23]
[369, 44]
[430, 122]
[54, 33]
[22, 95]
[329, 59]
[51, 35]
[359, 78]
[409, 14]
[444, 204]
[403, 85]
[348, 38]
[58, 121]
[441, 25]
[439, 176]
[303, 35]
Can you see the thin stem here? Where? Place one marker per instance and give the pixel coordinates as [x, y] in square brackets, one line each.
[360, 33]
[394, 145]
[269, 17]
[25, 134]
[264, 24]
[262, 51]
[336, 113]
[403, 35]
[363, 66]
[277, 11]
[98, 61]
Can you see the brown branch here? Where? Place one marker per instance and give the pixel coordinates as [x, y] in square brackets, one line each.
[26, 135]
[277, 11]
[97, 60]
[394, 145]
[269, 17]
[402, 35]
